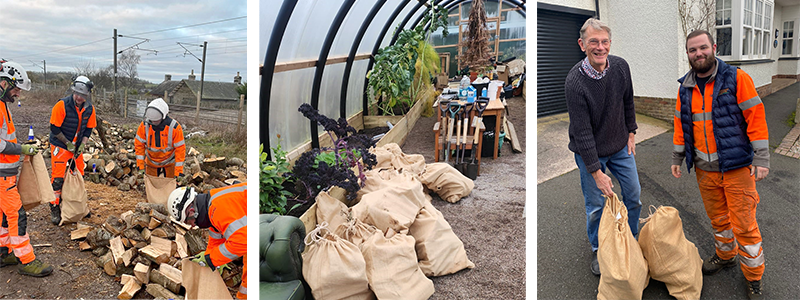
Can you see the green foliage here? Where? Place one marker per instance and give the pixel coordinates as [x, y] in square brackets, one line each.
[242, 89]
[395, 66]
[790, 121]
[272, 194]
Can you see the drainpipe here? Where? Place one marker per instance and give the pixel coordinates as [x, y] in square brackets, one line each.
[597, 9]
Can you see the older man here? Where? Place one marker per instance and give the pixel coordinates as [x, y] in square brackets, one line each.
[602, 125]
[721, 130]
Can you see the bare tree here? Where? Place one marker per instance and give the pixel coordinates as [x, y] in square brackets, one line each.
[697, 14]
[127, 64]
[476, 52]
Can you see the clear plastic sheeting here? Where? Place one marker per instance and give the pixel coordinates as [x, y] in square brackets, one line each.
[388, 38]
[289, 90]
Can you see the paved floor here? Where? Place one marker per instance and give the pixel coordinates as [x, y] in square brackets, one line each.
[563, 252]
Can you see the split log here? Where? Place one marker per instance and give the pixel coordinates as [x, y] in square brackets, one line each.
[82, 226]
[142, 220]
[84, 245]
[156, 276]
[171, 272]
[154, 255]
[79, 233]
[234, 161]
[126, 242]
[196, 241]
[213, 162]
[128, 256]
[239, 174]
[133, 234]
[100, 251]
[141, 260]
[193, 151]
[145, 208]
[146, 234]
[99, 237]
[159, 291]
[111, 166]
[163, 218]
[217, 184]
[142, 273]
[232, 181]
[114, 225]
[125, 278]
[129, 289]
[165, 231]
[127, 218]
[154, 223]
[117, 249]
[163, 245]
[199, 177]
[181, 250]
[107, 263]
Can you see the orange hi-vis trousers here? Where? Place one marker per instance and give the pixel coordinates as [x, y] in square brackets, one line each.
[730, 203]
[14, 221]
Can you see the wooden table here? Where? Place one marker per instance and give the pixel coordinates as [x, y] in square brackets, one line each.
[495, 108]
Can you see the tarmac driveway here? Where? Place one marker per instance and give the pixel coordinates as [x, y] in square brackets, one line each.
[564, 254]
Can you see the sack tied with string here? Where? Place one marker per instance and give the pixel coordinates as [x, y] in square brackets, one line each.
[392, 267]
[334, 268]
[623, 268]
[672, 258]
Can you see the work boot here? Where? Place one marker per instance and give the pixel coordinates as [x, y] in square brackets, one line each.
[55, 213]
[36, 268]
[754, 290]
[8, 259]
[713, 264]
[595, 264]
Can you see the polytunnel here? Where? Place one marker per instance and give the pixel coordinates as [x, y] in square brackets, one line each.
[319, 52]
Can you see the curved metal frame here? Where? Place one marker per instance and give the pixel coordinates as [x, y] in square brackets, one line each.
[406, 19]
[269, 67]
[350, 57]
[322, 60]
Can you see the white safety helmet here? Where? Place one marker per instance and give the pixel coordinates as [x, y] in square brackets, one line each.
[15, 73]
[156, 111]
[83, 86]
[178, 200]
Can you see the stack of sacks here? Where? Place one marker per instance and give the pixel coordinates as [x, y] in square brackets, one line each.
[334, 268]
[441, 178]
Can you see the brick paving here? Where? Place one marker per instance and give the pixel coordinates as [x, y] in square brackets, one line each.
[790, 146]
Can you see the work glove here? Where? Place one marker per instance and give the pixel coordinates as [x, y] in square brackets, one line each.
[203, 260]
[223, 267]
[141, 173]
[29, 149]
[80, 148]
[70, 147]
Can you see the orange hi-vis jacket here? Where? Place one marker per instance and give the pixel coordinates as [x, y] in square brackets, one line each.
[9, 149]
[162, 148]
[227, 211]
[705, 142]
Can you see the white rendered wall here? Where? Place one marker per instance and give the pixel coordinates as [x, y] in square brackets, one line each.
[581, 4]
[761, 73]
[648, 36]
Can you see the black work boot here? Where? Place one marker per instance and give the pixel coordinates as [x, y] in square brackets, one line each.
[714, 264]
[595, 264]
[36, 268]
[755, 290]
[55, 213]
[7, 259]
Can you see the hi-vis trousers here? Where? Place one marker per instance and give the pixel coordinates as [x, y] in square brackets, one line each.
[730, 203]
[14, 222]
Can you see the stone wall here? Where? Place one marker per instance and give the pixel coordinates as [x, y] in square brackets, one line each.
[659, 108]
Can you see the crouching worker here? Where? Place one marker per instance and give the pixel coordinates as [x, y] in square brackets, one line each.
[224, 212]
[71, 124]
[15, 245]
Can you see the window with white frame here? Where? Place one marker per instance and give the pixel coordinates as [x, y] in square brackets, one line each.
[788, 36]
[753, 23]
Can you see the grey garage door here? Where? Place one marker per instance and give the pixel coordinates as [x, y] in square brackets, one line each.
[557, 51]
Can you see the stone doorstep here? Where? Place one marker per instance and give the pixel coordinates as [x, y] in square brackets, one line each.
[790, 146]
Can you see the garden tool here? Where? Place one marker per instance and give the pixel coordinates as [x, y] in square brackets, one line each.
[472, 167]
[459, 120]
[443, 104]
[462, 166]
[453, 108]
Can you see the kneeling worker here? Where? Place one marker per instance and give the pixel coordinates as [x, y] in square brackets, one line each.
[224, 212]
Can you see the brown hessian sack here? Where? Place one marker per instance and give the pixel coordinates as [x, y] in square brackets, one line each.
[395, 206]
[439, 250]
[446, 181]
[392, 267]
[334, 268]
[672, 258]
[355, 231]
[623, 269]
[34, 182]
[74, 202]
[202, 282]
[158, 188]
[330, 210]
[392, 157]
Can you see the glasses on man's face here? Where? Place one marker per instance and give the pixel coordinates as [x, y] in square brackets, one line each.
[595, 43]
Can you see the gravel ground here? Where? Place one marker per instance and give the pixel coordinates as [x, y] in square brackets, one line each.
[489, 221]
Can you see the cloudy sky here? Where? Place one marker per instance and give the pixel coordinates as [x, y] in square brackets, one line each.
[67, 34]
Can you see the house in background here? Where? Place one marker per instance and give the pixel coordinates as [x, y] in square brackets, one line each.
[758, 36]
[185, 91]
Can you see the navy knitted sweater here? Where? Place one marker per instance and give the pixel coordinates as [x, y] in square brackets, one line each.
[601, 112]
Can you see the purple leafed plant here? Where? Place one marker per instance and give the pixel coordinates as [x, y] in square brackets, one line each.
[322, 168]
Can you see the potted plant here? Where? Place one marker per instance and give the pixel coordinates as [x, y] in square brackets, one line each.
[275, 184]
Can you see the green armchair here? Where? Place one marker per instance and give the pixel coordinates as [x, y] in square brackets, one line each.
[281, 265]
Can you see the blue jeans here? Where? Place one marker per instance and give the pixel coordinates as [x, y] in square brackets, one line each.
[623, 166]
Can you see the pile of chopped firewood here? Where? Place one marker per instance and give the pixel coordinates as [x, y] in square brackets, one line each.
[144, 247]
[111, 159]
